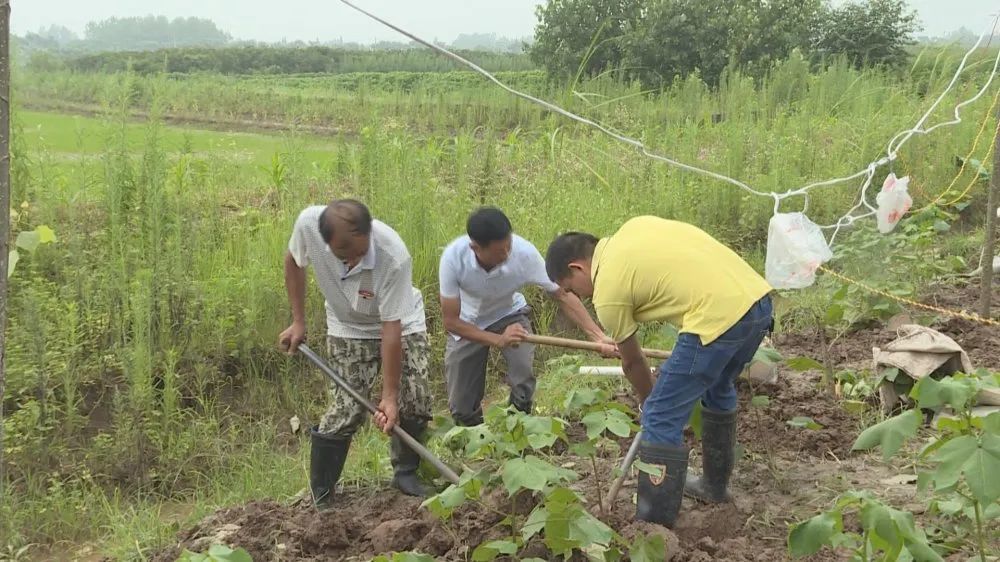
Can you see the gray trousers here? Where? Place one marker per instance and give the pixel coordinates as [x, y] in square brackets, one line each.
[465, 371]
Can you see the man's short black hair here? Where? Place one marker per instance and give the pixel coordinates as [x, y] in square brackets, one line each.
[566, 248]
[351, 211]
[488, 224]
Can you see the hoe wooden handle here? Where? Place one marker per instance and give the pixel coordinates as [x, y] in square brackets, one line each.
[586, 345]
[428, 456]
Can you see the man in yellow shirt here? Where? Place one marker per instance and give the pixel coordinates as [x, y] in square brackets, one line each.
[655, 270]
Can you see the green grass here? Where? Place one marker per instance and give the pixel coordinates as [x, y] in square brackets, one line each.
[68, 138]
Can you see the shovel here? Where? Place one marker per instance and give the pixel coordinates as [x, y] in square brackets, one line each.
[412, 443]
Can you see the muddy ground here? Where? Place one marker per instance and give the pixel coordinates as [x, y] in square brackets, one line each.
[785, 475]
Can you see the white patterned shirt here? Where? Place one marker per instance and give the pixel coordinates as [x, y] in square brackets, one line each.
[488, 296]
[378, 289]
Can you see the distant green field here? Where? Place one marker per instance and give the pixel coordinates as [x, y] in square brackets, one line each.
[67, 138]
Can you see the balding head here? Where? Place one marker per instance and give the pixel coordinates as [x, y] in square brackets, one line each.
[345, 226]
[347, 216]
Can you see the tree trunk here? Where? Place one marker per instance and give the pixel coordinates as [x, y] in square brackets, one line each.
[4, 212]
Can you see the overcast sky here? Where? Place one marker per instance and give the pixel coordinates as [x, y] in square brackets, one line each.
[326, 20]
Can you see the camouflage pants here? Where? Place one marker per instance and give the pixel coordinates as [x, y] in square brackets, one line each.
[359, 363]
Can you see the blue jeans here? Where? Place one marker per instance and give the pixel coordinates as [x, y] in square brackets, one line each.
[706, 372]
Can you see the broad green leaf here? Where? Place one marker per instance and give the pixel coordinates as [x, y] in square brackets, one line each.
[580, 398]
[804, 422]
[941, 226]
[648, 549]
[443, 505]
[952, 506]
[12, 258]
[45, 234]
[28, 240]
[951, 459]
[541, 440]
[535, 523]
[583, 449]
[878, 519]
[571, 527]
[615, 421]
[760, 401]
[518, 474]
[804, 364]
[890, 374]
[889, 434]
[810, 536]
[532, 473]
[978, 460]
[653, 470]
[983, 470]
[991, 423]
[951, 391]
[488, 551]
[767, 355]
[952, 425]
[834, 314]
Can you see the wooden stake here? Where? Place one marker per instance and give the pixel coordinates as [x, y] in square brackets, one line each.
[989, 249]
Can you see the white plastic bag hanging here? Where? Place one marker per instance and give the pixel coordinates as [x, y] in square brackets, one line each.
[795, 250]
[893, 202]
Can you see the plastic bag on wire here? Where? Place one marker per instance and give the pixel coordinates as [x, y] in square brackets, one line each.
[795, 250]
[893, 202]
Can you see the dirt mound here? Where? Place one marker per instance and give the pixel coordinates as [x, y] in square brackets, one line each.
[362, 524]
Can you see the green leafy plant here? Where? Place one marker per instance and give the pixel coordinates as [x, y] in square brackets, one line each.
[28, 241]
[887, 533]
[513, 452]
[960, 466]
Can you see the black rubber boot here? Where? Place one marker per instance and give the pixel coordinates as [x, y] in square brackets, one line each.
[468, 421]
[521, 405]
[406, 461]
[326, 462]
[659, 498]
[718, 440]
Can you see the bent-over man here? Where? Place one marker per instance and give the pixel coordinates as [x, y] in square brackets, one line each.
[480, 275]
[652, 270]
[375, 322]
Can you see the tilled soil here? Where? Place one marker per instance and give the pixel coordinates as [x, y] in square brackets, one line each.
[785, 475]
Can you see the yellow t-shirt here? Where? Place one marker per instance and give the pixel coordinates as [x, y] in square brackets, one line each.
[655, 269]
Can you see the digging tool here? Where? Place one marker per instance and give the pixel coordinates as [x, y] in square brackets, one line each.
[447, 472]
[586, 345]
[633, 450]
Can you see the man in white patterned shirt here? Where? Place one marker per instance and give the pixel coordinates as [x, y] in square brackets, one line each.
[375, 319]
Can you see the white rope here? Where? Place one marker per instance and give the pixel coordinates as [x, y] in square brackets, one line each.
[868, 173]
[892, 151]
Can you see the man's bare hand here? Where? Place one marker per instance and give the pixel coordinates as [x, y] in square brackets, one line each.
[609, 349]
[289, 340]
[387, 414]
[512, 335]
